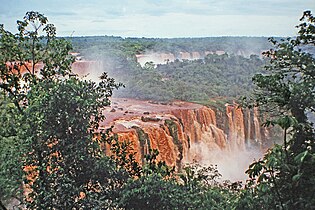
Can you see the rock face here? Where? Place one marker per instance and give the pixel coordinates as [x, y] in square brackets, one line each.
[185, 132]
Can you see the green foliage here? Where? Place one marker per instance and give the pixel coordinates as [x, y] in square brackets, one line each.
[60, 121]
[11, 151]
[289, 86]
[217, 103]
[158, 187]
[132, 46]
[50, 122]
[172, 127]
[195, 188]
[35, 43]
[295, 95]
[150, 192]
[216, 75]
[149, 66]
[152, 166]
[279, 183]
[123, 155]
[283, 179]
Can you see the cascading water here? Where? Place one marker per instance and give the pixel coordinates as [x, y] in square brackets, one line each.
[184, 132]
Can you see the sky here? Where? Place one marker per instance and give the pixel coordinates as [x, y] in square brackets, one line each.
[163, 18]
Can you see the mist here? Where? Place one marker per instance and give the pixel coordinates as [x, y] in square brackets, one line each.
[124, 60]
[231, 162]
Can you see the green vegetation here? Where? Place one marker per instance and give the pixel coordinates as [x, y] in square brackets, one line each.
[172, 127]
[216, 75]
[49, 120]
[217, 103]
[284, 178]
[196, 188]
[12, 148]
[228, 76]
[92, 46]
[143, 139]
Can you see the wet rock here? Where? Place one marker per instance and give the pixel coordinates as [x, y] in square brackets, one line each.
[150, 119]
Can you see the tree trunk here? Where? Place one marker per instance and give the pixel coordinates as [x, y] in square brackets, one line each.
[301, 134]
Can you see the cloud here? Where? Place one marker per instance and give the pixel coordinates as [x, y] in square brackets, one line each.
[60, 13]
[98, 21]
[216, 7]
[164, 18]
[184, 25]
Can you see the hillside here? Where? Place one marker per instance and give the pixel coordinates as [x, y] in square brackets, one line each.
[191, 69]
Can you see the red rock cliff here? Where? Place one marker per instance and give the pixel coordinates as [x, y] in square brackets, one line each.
[182, 131]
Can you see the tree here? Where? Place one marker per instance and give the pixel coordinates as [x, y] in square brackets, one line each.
[35, 47]
[195, 188]
[284, 179]
[63, 165]
[19, 55]
[11, 147]
[61, 120]
[149, 66]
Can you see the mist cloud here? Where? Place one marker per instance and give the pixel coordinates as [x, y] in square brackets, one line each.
[231, 162]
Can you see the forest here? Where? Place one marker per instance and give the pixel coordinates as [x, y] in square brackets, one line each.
[53, 150]
[228, 74]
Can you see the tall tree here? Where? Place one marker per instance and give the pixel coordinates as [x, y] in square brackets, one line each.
[284, 179]
[290, 85]
[57, 115]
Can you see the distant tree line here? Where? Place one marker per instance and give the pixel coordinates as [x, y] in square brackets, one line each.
[197, 80]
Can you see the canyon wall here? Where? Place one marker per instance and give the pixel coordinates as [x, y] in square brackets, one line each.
[184, 132]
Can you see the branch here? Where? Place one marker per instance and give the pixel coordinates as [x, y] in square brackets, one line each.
[276, 188]
[33, 56]
[285, 145]
[23, 63]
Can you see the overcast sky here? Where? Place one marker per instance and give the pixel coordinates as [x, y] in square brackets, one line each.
[163, 18]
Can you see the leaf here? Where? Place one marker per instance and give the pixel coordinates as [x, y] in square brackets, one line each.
[301, 157]
[286, 122]
[296, 177]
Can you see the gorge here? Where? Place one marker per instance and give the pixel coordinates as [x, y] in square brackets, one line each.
[106, 122]
[185, 132]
